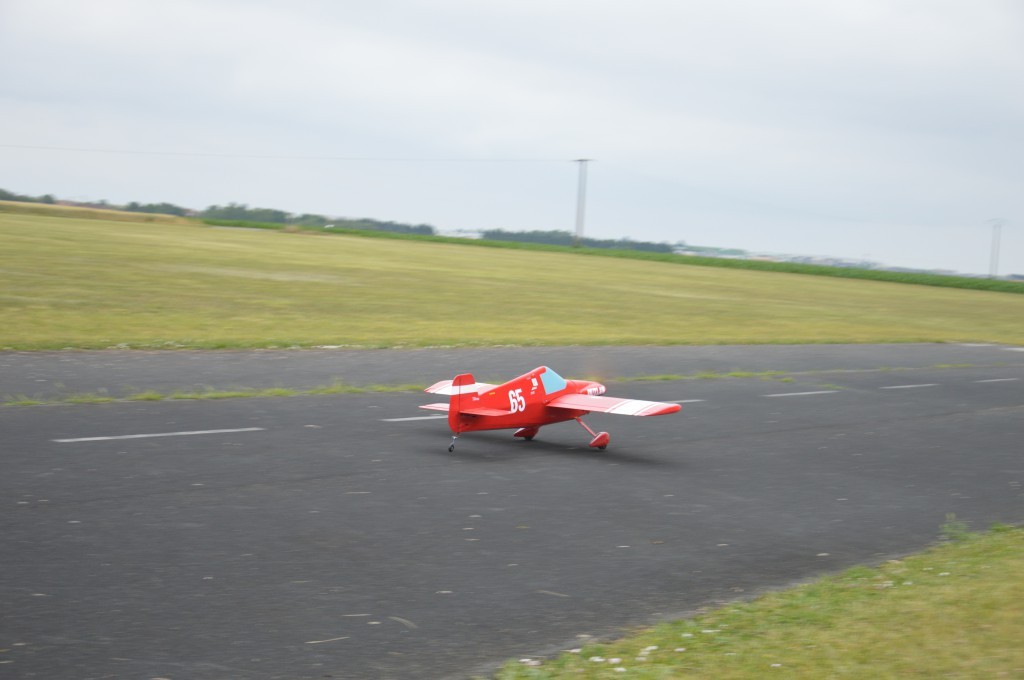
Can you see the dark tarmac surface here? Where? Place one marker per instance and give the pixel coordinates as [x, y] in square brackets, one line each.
[331, 537]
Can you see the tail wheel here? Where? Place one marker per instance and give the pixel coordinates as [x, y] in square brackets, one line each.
[527, 433]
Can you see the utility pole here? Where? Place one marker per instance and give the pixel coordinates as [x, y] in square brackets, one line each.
[581, 199]
[997, 229]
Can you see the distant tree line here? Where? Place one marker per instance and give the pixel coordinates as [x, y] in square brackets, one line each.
[236, 212]
[241, 212]
[11, 196]
[564, 238]
[158, 208]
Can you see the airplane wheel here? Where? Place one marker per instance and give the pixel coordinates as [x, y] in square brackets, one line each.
[601, 448]
[527, 433]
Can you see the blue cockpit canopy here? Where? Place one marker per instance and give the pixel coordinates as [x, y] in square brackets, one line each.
[552, 381]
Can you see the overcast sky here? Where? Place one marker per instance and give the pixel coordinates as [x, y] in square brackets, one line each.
[886, 130]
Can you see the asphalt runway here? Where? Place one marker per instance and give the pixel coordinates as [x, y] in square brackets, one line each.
[335, 536]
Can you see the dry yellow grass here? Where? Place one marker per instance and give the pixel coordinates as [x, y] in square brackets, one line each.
[100, 283]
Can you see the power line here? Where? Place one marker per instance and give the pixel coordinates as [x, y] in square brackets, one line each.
[268, 156]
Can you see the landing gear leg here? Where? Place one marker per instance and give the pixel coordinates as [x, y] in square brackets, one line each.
[600, 439]
[451, 449]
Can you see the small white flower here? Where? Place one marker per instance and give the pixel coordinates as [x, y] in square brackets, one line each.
[597, 659]
[650, 649]
[614, 661]
[776, 665]
[686, 635]
[680, 649]
[620, 669]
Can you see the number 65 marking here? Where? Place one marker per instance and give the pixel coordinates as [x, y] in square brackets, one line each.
[516, 402]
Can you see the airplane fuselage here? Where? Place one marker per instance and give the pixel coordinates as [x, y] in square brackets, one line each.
[522, 403]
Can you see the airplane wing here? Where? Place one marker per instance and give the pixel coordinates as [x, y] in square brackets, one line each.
[445, 387]
[625, 407]
[478, 411]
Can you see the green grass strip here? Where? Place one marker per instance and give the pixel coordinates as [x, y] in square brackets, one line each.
[340, 387]
[337, 387]
[210, 394]
[952, 611]
[707, 375]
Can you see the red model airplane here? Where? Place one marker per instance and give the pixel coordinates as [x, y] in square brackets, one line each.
[540, 397]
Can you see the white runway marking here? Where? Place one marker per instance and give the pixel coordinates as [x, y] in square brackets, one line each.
[320, 642]
[402, 420]
[800, 394]
[685, 401]
[1014, 349]
[997, 380]
[158, 434]
[908, 387]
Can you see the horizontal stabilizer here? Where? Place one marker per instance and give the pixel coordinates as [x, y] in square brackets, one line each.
[445, 387]
[624, 407]
[483, 411]
[477, 411]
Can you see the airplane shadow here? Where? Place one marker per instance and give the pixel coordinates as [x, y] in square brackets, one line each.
[490, 447]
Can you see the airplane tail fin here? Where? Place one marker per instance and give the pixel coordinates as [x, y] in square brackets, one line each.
[462, 383]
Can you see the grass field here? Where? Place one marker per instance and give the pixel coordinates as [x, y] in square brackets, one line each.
[952, 612]
[98, 283]
[917, 278]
